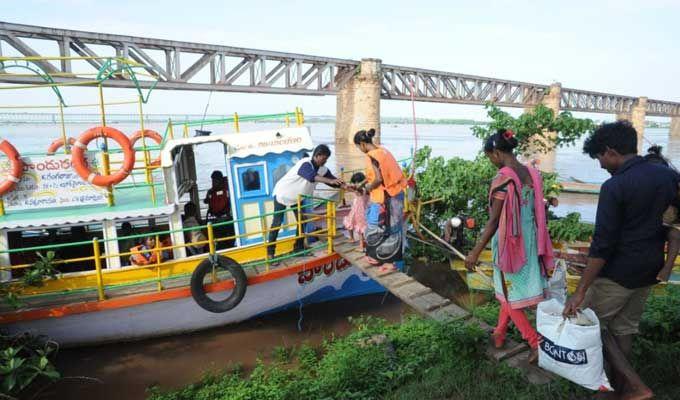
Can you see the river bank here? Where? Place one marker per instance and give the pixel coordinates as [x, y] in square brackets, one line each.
[126, 370]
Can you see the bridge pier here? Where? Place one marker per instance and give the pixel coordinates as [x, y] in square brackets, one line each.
[552, 101]
[675, 127]
[637, 119]
[358, 103]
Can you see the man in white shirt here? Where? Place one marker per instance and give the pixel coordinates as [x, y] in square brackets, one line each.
[300, 179]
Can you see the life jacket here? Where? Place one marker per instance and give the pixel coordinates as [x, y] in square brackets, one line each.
[218, 201]
[146, 257]
[393, 177]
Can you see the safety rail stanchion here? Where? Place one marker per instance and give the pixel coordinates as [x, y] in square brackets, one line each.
[105, 154]
[98, 268]
[63, 128]
[300, 232]
[147, 156]
[237, 128]
[287, 119]
[157, 250]
[330, 207]
[186, 131]
[211, 249]
[171, 131]
[2, 207]
[263, 228]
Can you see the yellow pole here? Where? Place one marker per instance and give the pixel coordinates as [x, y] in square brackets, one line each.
[263, 228]
[302, 117]
[147, 158]
[158, 263]
[330, 207]
[2, 206]
[287, 121]
[171, 132]
[236, 125]
[211, 248]
[299, 218]
[63, 128]
[297, 116]
[98, 267]
[105, 154]
[186, 131]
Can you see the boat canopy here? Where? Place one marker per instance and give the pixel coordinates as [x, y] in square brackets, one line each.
[256, 143]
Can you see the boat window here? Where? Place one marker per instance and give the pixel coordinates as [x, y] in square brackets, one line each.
[251, 179]
[127, 230]
[56, 237]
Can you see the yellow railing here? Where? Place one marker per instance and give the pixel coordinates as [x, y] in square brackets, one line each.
[212, 241]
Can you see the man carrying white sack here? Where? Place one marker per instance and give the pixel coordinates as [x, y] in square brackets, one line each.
[627, 250]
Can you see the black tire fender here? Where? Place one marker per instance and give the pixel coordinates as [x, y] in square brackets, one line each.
[198, 290]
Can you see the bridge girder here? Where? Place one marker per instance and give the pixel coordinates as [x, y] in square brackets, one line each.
[235, 69]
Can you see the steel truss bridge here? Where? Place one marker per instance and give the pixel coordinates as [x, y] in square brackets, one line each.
[194, 66]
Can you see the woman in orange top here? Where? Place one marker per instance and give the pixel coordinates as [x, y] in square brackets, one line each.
[385, 213]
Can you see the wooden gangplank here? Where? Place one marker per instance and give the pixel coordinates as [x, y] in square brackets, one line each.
[430, 304]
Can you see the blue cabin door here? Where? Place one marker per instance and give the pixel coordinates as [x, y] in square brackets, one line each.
[254, 178]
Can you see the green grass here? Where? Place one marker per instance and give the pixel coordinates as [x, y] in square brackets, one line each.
[424, 359]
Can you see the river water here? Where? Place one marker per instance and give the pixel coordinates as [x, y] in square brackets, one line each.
[127, 369]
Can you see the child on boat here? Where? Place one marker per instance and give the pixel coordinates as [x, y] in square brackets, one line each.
[144, 254]
[355, 221]
[670, 219]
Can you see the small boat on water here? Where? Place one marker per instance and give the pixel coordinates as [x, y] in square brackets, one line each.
[66, 204]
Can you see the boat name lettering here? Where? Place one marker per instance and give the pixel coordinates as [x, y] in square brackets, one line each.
[308, 275]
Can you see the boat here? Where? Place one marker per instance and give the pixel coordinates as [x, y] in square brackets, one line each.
[66, 208]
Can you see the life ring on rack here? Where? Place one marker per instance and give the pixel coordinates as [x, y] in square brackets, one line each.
[16, 167]
[81, 167]
[56, 145]
[206, 267]
[148, 134]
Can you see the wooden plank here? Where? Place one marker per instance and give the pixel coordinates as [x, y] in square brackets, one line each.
[532, 373]
[510, 349]
[449, 313]
[431, 301]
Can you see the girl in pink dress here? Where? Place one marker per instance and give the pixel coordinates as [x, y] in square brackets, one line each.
[355, 221]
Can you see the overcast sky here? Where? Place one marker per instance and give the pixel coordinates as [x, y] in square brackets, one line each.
[624, 47]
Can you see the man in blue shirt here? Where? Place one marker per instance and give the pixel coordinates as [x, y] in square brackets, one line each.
[627, 250]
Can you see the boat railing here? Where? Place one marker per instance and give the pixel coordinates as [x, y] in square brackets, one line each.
[99, 258]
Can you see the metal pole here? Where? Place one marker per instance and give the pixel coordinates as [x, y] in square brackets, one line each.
[98, 268]
[105, 154]
[63, 128]
[147, 158]
[300, 234]
[263, 228]
[236, 125]
[158, 263]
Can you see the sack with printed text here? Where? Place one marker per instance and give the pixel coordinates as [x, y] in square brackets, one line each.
[572, 347]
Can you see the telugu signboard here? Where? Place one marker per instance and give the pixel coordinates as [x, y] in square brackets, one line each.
[51, 182]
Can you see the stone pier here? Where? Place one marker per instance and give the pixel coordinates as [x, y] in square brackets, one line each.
[552, 101]
[675, 127]
[637, 119]
[358, 103]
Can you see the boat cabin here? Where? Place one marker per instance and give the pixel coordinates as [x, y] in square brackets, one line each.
[52, 206]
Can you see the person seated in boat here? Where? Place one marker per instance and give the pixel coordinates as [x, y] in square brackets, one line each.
[124, 245]
[219, 209]
[355, 221]
[191, 220]
[145, 253]
[670, 219]
[301, 179]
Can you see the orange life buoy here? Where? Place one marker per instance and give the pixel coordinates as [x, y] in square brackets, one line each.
[148, 134]
[78, 156]
[56, 145]
[16, 168]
